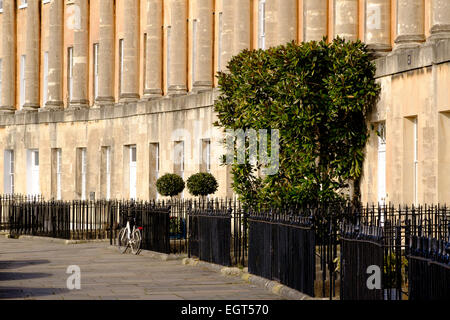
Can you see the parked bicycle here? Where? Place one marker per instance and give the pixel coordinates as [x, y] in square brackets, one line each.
[130, 237]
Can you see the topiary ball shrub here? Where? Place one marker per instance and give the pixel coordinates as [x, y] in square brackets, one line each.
[202, 184]
[170, 185]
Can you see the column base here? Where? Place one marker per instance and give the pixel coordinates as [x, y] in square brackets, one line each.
[378, 50]
[409, 41]
[53, 106]
[103, 101]
[202, 86]
[152, 94]
[30, 107]
[439, 32]
[78, 105]
[176, 90]
[7, 110]
[129, 97]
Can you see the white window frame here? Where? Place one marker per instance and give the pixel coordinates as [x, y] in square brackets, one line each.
[182, 159]
[206, 154]
[45, 80]
[179, 151]
[154, 147]
[95, 82]
[83, 174]
[58, 173]
[22, 80]
[416, 160]
[1, 6]
[262, 24]
[133, 171]
[33, 185]
[382, 173]
[157, 161]
[8, 162]
[108, 173]
[70, 73]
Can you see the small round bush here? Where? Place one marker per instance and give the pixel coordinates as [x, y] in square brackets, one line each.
[170, 185]
[202, 184]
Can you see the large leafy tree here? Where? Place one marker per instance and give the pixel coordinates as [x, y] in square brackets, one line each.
[318, 95]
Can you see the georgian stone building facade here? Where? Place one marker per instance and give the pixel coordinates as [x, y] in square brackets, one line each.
[104, 96]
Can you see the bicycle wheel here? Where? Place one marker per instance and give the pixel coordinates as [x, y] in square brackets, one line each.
[122, 240]
[135, 241]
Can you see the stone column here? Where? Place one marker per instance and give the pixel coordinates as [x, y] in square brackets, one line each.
[378, 26]
[241, 14]
[80, 56]
[202, 59]
[315, 20]
[55, 44]
[226, 37]
[410, 23]
[440, 19]
[32, 57]
[281, 22]
[106, 54]
[235, 29]
[346, 19]
[153, 59]
[130, 86]
[176, 46]
[7, 99]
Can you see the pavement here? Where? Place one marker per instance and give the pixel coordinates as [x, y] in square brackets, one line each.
[36, 269]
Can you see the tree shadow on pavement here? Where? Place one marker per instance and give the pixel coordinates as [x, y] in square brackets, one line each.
[17, 292]
[9, 276]
[13, 264]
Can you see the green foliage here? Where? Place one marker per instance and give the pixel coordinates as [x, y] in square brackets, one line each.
[392, 264]
[202, 184]
[170, 185]
[318, 96]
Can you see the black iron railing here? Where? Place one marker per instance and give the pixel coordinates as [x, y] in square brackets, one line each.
[408, 244]
[429, 253]
[217, 231]
[151, 216]
[282, 248]
[58, 219]
[323, 250]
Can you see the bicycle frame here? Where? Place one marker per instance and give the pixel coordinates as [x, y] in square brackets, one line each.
[129, 231]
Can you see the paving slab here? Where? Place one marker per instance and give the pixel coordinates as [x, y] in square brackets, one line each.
[35, 269]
